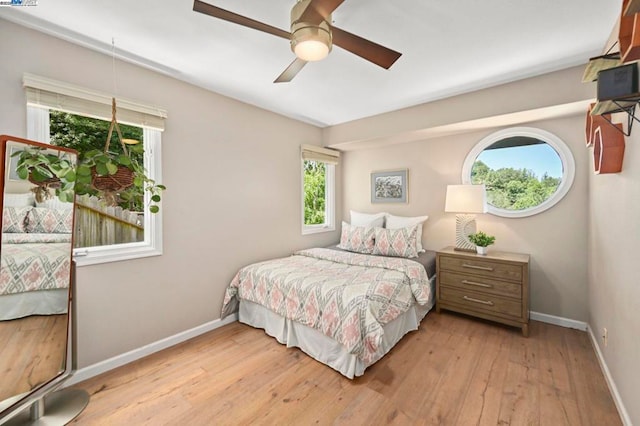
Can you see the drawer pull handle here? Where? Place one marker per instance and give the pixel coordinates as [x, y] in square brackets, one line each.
[484, 302]
[484, 268]
[476, 284]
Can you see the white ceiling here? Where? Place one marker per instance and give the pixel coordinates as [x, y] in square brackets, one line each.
[449, 47]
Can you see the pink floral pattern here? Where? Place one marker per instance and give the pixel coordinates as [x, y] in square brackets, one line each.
[14, 219]
[396, 242]
[31, 267]
[50, 221]
[356, 238]
[346, 296]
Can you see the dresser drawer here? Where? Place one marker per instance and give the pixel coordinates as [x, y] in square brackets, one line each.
[485, 268]
[488, 303]
[467, 282]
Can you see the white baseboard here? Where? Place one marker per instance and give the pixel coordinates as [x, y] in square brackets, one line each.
[561, 321]
[125, 358]
[624, 415]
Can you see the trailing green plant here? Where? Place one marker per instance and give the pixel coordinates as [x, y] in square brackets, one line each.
[481, 239]
[49, 172]
[107, 163]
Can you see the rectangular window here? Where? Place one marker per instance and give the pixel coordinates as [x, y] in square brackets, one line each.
[318, 189]
[76, 118]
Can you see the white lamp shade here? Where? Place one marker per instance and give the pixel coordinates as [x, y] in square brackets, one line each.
[465, 199]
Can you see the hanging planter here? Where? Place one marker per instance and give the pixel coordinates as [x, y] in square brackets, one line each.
[115, 177]
[120, 180]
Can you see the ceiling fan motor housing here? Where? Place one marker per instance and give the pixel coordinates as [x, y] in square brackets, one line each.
[309, 41]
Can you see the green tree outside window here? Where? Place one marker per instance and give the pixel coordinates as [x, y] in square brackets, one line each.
[314, 192]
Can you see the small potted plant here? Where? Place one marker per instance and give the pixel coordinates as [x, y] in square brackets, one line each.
[482, 241]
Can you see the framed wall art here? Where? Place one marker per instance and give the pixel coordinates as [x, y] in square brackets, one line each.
[390, 186]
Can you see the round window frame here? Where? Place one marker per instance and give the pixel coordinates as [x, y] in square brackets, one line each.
[561, 148]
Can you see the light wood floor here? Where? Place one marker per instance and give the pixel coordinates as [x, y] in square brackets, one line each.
[453, 371]
[32, 351]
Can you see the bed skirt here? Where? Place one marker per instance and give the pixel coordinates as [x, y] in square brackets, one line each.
[44, 302]
[323, 348]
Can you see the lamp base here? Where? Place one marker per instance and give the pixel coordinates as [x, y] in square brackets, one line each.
[465, 226]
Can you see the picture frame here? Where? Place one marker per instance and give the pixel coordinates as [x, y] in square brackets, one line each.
[391, 186]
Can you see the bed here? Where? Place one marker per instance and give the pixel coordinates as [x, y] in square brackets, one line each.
[345, 309]
[35, 263]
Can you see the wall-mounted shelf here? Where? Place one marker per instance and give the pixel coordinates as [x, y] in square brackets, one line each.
[629, 33]
[631, 7]
[593, 122]
[608, 149]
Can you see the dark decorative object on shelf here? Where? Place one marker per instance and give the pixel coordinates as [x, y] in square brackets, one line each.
[618, 91]
[618, 83]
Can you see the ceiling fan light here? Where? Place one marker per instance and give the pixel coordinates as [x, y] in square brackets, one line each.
[311, 43]
[311, 50]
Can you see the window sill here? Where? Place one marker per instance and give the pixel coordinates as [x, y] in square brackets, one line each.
[98, 255]
[308, 230]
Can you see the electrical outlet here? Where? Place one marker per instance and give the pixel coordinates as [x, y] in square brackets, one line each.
[605, 336]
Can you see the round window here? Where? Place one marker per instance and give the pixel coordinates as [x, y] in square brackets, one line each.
[525, 170]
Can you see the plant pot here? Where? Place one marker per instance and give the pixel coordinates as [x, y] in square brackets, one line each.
[52, 182]
[481, 250]
[119, 181]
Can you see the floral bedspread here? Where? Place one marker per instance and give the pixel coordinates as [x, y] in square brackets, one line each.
[346, 296]
[34, 266]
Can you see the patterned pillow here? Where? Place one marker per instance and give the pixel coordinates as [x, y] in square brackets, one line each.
[399, 242]
[14, 219]
[50, 221]
[356, 238]
[395, 222]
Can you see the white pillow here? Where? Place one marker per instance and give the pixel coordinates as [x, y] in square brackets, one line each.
[367, 220]
[396, 222]
[19, 200]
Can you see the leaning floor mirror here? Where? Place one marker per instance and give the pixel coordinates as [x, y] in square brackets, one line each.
[36, 278]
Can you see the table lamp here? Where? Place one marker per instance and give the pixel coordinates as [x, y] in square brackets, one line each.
[465, 200]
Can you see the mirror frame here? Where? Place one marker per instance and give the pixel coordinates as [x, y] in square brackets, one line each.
[561, 148]
[15, 407]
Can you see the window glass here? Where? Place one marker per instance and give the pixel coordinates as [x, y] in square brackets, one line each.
[100, 225]
[318, 190]
[314, 192]
[525, 170]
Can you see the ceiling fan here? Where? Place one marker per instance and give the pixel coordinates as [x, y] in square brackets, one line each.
[311, 36]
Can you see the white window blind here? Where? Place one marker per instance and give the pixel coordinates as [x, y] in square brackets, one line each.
[316, 153]
[48, 93]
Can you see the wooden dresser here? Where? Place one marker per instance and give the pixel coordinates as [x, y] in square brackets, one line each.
[493, 287]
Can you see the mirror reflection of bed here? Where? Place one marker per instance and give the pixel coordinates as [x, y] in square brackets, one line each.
[35, 279]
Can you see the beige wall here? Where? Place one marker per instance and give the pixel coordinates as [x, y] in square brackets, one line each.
[614, 287]
[233, 197]
[556, 239]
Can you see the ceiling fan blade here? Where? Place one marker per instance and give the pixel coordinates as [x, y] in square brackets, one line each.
[372, 52]
[292, 70]
[225, 15]
[318, 10]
